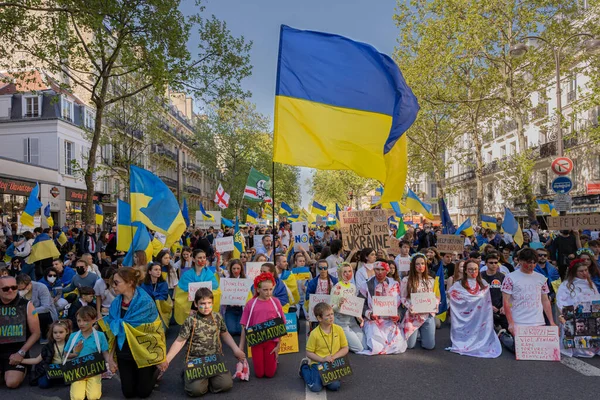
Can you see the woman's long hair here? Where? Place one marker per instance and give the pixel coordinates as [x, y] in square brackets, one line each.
[413, 275]
[572, 274]
[464, 281]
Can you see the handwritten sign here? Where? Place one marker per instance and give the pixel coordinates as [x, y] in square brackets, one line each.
[83, 367]
[385, 306]
[315, 299]
[423, 302]
[333, 371]
[368, 228]
[234, 292]
[577, 221]
[300, 232]
[403, 264]
[194, 286]
[537, 343]
[224, 244]
[204, 367]
[13, 322]
[265, 331]
[54, 371]
[253, 269]
[289, 342]
[450, 243]
[353, 306]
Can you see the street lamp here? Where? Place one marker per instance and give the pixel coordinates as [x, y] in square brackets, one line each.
[591, 45]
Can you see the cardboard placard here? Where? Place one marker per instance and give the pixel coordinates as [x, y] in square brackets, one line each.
[194, 286]
[12, 325]
[202, 224]
[450, 243]
[265, 331]
[576, 221]
[253, 269]
[333, 371]
[423, 302]
[353, 306]
[234, 292]
[582, 325]
[204, 367]
[83, 367]
[385, 306]
[289, 342]
[368, 228]
[54, 371]
[315, 299]
[403, 264]
[300, 232]
[224, 244]
[537, 343]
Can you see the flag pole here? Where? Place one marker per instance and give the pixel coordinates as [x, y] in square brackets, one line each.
[273, 196]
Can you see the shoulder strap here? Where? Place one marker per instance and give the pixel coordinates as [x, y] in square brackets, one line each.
[97, 340]
[187, 356]
[251, 310]
[275, 307]
[75, 338]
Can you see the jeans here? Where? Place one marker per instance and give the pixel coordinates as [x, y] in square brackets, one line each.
[233, 315]
[427, 331]
[311, 376]
[354, 334]
[44, 382]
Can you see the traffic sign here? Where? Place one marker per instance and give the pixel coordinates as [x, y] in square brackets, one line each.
[562, 202]
[562, 184]
[562, 165]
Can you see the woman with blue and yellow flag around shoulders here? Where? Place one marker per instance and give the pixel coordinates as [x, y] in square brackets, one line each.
[136, 335]
[200, 273]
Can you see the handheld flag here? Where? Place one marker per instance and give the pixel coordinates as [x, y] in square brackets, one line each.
[318, 209]
[99, 214]
[440, 290]
[308, 217]
[205, 216]
[155, 205]
[43, 247]
[222, 197]
[258, 187]
[125, 230]
[547, 207]
[141, 241]
[238, 240]
[447, 225]
[512, 227]
[48, 215]
[401, 230]
[286, 208]
[267, 210]
[293, 218]
[33, 204]
[62, 238]
[488, 222]
[415, 204]
[185, 212]
[227, 222]
[331, 90]
[466, 228]
[252, 217]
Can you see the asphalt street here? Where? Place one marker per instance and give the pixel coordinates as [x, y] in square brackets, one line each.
[417, 374]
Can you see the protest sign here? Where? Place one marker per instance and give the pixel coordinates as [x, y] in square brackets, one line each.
[265, 331]
[204, 367]
[12, 324]
[403, 264]
[54, 371]
[253, 269]
[300, 232]
[368, 228]
[333, 371]
[201, 222]
[385, 306]
[353, 306]
[582, 325]
[313, 301]
[194, 286]
[537, 343]
[450, 243]
[224, 244]
[423, 302]
[83, 367]
[234, 292]
[574, 221]
[289, 342]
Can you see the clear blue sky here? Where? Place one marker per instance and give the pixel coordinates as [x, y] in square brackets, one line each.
[367, 21]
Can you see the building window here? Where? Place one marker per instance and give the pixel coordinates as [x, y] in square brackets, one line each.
[513, 148]
[489, 156]
[503, 151]
[32, 106]
[31, 154]
[433, 190]
[572, 89]
[90, 119]
[490, 192]
[67, 109]
[69, 157]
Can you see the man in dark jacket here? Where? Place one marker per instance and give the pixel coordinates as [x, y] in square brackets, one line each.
[202, 243]
[426, 238]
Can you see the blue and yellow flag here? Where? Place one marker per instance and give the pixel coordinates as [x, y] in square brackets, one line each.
[43, 247]
[308, 217]
[488, 222]
[267, 211]
[205, 216]
[330, 90]
[293, 218]
[227, 222]
[399, 208]
[48, 215]
[318, 209]
[185, 212]
[466, 228]
[155, 205]
[33, 205]
[125, 230]
[252, 217]
[287, 210]
[512, 227]
[547, 207]
[440, 290]
[141, 241]
[62, 238]
[238, 240]
[414, 203]
[99, 214]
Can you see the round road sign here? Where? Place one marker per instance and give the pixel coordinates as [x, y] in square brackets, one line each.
[562, 165]
[562, 184]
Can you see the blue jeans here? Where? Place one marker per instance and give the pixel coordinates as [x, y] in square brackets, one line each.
[233, 315]
[427, 331]
[44, 382]
[311, 376]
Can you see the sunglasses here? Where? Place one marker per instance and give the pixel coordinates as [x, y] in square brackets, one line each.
[492, 262]
[323, 268]
[8, 288]
[542, 255]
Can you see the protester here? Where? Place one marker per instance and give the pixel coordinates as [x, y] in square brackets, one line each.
[335, 259]
[323, 282]
[457, 276]
[494, 279]
[64, 273]
[104, 292]
[84, 278]
[289, 279]
[339, 293]
[590, 261]
[563, 249]
[92, 267]
[168, 271]
[39, 295]
[493, 258]
[186, 262]
[140, 262]
[549, 271]
[233, 314]
[86, 297]
[364, 272]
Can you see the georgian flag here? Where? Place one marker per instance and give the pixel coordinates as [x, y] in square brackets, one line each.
[222, 197]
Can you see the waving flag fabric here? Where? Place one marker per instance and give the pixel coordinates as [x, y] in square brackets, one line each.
[185, 212]
[43, 247]
[286, 208]
[33, 205]
[258, 187]
[99, 214]
[488, 222]
[512, 227]
[414, 203]
[252, 217]
[466, 228]
[48, 216]
[205, 216]
[318, 209]
[547, 207]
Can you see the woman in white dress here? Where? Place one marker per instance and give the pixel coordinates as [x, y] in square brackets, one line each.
[364, 272]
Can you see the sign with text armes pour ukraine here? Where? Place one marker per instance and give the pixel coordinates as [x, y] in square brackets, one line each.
[368, 228]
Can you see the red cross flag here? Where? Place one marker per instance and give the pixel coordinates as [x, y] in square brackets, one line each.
[221, 197]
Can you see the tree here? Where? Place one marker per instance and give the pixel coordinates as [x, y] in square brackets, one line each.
[94, 45]
[329, 187]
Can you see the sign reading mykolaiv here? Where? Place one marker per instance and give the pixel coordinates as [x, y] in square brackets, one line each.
[368, 228]
[576, 221]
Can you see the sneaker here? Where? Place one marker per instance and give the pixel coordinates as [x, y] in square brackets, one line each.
[501, 332]
[305, 361]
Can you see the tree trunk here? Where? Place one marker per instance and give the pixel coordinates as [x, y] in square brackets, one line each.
[89, 215]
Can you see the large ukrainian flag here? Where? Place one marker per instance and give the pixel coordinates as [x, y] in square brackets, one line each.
[342, 105]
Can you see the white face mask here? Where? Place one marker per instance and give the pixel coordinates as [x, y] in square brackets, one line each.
[369, 266]
[23, 293]
[51, 279]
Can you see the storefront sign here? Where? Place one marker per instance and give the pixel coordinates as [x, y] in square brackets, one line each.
[592, 188]
[54, 191]
[79, 195]
[14, 186]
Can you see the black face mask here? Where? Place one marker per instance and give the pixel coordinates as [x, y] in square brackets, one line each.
[81, 270]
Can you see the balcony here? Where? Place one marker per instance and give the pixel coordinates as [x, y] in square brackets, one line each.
[571, 96]
[194, 168]
[539, 112]
[163, 151]
[461, 177]
[570, 142]
[193, 190]
[168, 181]
[548, 149]
[491, 167]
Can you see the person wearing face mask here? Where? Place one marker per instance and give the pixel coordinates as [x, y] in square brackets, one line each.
[83, 277]
[52, 281]
[339, 293]
[39, 295]
[364, 272]
[472, 330]
[382, 333]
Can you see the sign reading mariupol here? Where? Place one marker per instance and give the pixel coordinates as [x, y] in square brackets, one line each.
[333, 371]
[204, 367]
[268, 330]
[83, 367]
[367, 228]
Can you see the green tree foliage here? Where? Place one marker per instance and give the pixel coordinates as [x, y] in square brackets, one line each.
[329, 187]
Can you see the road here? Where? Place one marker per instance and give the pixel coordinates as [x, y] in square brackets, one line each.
[436, 374]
